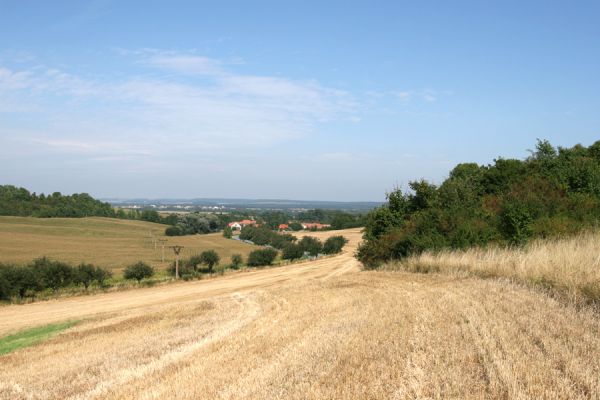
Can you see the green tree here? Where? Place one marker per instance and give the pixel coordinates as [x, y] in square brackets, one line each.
[85, 274]
[311, 245]
[138, 271]
[227, 232]
[334, 244]
[296, 226]
[292, 252]
[261, 257]
[210, 258]
[236, 261]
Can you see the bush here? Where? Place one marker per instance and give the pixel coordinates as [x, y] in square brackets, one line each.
[296, 226]
[236, 261]
[262, 257]
[227, 232]
[334, 244]
[210, 258]
[192, 262]
[87, 273]
[292, 252]
[173, 231]
[311, 245]
[138, 271]
[21, 279]
[54, 274]
[5, 289]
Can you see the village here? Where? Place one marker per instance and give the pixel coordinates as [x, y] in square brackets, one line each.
[290, 226]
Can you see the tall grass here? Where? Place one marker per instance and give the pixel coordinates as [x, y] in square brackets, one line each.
[568, 267]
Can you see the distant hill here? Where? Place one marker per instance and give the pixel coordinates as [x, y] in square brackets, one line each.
[257, 204]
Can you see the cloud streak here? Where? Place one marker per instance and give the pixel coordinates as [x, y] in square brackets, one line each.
[169, 109]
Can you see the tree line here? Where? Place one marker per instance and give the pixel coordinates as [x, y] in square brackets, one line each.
[291, 247]
[553, 192]
[20, 202]
[20, 281]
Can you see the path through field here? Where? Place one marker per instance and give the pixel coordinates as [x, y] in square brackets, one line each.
[309, 331]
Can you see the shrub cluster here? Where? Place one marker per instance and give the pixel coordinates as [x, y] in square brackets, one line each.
[555, 191]
[262, 257]
[138, 271]
[263, 236]
[334, 244]
[42, 274]
[312, 246]
[190, 267]
[191, 224]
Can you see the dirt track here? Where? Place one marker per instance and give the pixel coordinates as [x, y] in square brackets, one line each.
[317, 330]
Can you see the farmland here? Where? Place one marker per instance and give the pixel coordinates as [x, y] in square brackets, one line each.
[319, 329]
[108, 242]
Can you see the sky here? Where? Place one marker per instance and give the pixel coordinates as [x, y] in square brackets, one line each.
[307, 100]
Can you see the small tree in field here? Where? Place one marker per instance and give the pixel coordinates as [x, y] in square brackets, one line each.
[138, 271]
[292, 251]
[334, 244]
[85, 274]
[102, 275]
[210, 258]
[227, 232]
[311, 245]
[258, 258]
[236, 261]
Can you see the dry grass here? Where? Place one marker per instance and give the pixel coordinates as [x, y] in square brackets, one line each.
[315, 330]
[108, 242]
[567, 267]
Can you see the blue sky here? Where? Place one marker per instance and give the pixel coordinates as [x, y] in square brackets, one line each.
[334, 100]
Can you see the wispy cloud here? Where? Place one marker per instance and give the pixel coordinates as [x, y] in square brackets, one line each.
[168, 109]
[425, 95]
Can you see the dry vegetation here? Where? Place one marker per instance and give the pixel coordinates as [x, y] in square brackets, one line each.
[107, 242]
[312, 330]
[567, 267]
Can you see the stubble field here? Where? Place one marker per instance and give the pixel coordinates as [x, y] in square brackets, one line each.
[313, 330]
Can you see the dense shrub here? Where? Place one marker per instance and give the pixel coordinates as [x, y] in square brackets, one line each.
[292, 251]
[334, 244]
[236, 261]
[138, 271]
[41, 274]
[210, 258]
[311, 245]
[173, 231]
[552, 193]
[262, 257]
[262, 236]
[85, 274]
[54, 274]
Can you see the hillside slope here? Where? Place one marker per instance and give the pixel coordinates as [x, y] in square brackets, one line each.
[108, 242]
[314, 330]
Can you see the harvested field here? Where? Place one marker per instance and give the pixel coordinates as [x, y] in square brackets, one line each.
[107, 242]
[312, 330]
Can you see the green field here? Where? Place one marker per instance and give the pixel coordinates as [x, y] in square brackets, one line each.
[107, 242]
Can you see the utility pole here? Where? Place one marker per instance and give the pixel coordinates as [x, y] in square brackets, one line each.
[176, 250]
[162, 244]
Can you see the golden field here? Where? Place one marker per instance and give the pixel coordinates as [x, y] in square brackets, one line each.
[313, 330]
[107, 242]
[567, 267]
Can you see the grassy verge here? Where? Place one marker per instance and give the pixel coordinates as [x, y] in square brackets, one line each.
[32, 336]
[567, 267]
